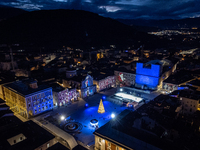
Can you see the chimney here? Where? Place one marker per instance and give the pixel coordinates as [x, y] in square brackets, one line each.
[33, 84]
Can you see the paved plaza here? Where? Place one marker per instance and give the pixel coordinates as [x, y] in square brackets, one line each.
[82, 115]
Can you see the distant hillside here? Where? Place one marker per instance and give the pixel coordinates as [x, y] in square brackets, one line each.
[167, 24]
[71, 28]
[8, 12]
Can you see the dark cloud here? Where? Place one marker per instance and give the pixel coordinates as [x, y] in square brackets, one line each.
[128, 9]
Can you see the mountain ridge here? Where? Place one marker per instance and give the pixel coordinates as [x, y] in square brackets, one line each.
[165, 24]
[69, 27]
[8, 12]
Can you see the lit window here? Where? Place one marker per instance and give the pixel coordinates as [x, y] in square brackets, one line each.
[39, 109]
[109, 145]
[47, 145]
[35, 111]
[100, 140]
[117, 148]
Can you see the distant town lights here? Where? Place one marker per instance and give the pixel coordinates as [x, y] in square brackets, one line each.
[112, 115]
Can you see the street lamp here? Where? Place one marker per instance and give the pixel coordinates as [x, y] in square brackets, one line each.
[112, 115]
[62, 117]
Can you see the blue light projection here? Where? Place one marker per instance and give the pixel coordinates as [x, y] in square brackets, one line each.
[103, 97]
[147, 75]
[147, 80]
[153, 70]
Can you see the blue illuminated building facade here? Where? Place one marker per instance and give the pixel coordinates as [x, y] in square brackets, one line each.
[40, 101]
[87, 86]
[27, 98]
[151, 74]
[83, 83]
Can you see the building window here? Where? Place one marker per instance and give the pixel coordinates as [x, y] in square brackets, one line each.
[50, 105]
[117, 148]
[35, 111]
[47, 145]
[42, 108]
[109, 144]
[39, 109]
[100, 146]
[21, 138]
[14, 141]
[100, 140]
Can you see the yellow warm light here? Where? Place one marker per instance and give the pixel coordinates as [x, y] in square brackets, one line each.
[194, 28]
[98, 56]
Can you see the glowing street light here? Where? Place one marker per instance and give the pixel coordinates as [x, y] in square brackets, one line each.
[121, 89]
[62, 117]
[112, 115]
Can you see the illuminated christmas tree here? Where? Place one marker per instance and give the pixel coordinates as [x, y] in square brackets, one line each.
[101, 107]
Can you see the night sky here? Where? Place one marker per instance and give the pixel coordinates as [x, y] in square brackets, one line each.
[127, 9]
